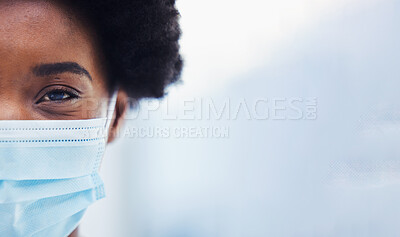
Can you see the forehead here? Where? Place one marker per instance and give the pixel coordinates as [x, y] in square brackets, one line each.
[36, 32]
[37, 25]
[21, 19]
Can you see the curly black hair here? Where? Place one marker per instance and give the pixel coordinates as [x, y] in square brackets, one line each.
[139, 40]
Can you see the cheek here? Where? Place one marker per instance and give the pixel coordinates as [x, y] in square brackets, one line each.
[93, 108]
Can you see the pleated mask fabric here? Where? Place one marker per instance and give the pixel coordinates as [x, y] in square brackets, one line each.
[49, 173]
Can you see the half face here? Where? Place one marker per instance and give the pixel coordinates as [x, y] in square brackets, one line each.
[49, 65]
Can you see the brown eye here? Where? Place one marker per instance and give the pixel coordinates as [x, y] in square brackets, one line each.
[57, 96]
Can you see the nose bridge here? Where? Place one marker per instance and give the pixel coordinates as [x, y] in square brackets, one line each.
[13, 106]
[12, 109]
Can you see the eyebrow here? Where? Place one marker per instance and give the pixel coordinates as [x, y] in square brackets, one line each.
[58, 68]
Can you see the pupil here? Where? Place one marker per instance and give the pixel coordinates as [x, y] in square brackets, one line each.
[56, 95]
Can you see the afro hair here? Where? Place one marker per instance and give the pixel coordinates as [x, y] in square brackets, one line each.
[139, 40]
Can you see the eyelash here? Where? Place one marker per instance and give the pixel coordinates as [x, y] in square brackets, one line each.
[72, 94]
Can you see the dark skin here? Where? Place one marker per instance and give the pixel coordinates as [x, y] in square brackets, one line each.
[50, 67]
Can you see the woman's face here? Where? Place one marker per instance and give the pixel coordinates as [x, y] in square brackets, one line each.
[49, 65]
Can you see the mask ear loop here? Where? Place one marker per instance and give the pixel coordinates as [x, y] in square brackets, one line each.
[110, 111]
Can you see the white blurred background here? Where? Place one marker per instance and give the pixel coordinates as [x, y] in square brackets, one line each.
[333, 171]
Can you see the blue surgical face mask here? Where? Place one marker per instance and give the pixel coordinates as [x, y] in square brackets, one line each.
[49, 173]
